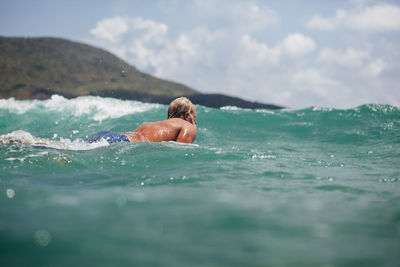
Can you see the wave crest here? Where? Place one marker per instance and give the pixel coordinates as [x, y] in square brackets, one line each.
[97, 108]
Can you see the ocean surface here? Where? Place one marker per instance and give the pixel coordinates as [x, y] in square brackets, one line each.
[309, 187]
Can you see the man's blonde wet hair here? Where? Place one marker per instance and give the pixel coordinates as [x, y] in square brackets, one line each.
[179, 107]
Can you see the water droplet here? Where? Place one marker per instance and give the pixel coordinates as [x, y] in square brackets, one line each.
[42, 238]
[10, 193]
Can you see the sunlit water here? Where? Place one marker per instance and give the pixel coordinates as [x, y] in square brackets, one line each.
[310, 187]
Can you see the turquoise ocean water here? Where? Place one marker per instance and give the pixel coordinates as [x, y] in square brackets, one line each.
[308, 187]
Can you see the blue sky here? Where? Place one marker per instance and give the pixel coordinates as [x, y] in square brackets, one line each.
[340, 53]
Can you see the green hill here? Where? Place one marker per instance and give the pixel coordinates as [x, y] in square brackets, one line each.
[36, 68]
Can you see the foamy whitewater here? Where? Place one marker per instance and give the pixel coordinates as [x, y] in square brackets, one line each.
[310, 187]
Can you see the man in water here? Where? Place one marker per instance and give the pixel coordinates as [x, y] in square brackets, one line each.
[180, 126]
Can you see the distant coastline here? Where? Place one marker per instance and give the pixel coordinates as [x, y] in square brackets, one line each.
[36, 68]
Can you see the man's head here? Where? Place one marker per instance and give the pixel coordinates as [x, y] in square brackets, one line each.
[182, 108]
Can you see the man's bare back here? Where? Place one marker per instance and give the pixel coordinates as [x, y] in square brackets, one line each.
[180, 125]
[174, 129]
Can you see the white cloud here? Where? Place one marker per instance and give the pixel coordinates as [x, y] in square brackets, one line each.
[231, 62]
[215, 51]
[345, 58]
[135, 39]
[376, 18]
[147, 44]
[313, 77]
[243, 16]
[153, 31]
[319, 23]
[110, 28]
[255, 53]
[298, 44]
[352, 59]
[376, 67]
[312, 80]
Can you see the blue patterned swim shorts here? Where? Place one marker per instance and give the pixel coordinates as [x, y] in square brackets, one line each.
[110, 137]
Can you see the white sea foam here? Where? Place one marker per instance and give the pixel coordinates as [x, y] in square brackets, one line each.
[235, 109]
[267, 111]
[230, 108]
[28, 139]
[323, 109]
[18, 106]
[22, 159]
[97, 108]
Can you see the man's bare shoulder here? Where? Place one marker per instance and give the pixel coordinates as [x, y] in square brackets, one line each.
[187, 130]
[173, 129]
[178, 121]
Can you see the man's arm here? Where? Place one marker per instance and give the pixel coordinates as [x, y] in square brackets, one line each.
[187, 134]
